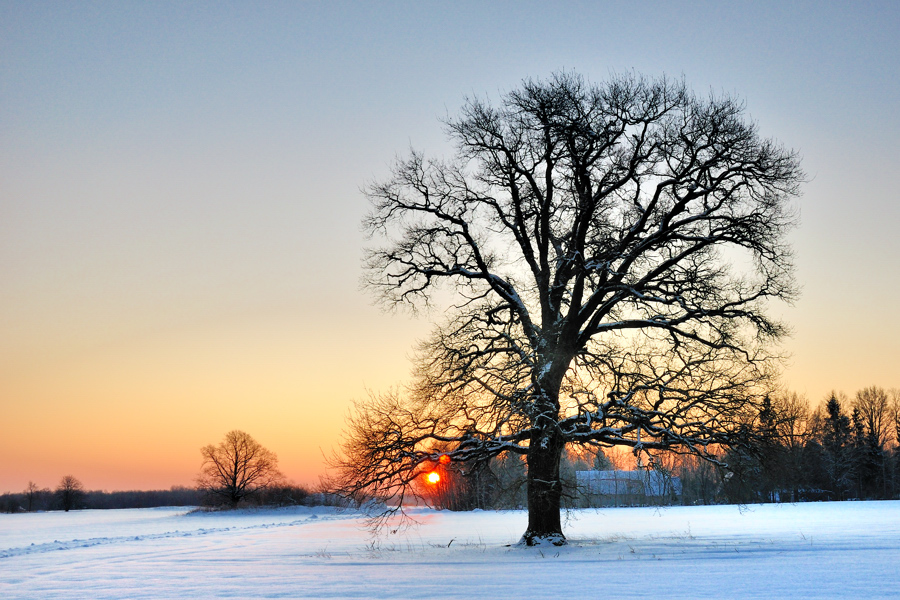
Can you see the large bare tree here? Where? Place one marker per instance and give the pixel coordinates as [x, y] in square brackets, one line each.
[237, 468]
[612, 249]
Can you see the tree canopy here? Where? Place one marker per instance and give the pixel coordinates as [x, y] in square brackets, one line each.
[237, 467]
[611, 249]
[70, 493]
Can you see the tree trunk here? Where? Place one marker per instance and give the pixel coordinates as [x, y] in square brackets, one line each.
[544, 489]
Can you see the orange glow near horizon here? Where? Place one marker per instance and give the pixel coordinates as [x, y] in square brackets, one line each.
[433, 478]
[122, 418]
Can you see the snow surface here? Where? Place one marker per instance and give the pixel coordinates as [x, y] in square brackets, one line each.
[821, 550]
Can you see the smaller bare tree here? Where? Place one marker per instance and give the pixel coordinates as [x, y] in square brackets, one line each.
[794, 429]
[31, 495]
[237, 468]
[874, 405]
[70, 493]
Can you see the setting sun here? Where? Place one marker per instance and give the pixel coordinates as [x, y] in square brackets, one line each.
[433, 477]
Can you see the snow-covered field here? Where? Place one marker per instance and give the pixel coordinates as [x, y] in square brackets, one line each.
[828, 550]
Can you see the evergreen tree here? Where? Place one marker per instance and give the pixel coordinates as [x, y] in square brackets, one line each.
[836, 442]
[770, 452]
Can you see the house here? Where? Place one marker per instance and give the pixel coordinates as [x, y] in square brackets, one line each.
[626, 488]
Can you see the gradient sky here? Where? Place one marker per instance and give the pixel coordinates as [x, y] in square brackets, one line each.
[179, 201]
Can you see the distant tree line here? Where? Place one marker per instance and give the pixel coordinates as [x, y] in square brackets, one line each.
[843, 449]
[238, 472]
[846, 448]
[71, 495]
[34, 498]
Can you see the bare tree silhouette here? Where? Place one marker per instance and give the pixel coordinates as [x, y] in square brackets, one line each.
[613, 248]
[237, 468]
[70, 493]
